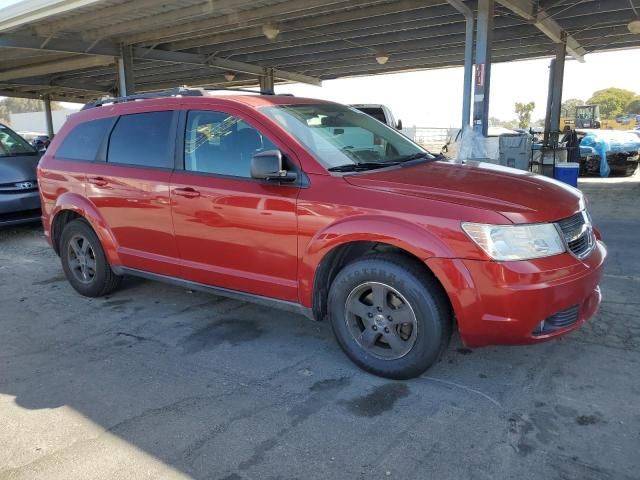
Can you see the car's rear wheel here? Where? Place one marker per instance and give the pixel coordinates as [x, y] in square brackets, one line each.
[390, 316]
[84, 262]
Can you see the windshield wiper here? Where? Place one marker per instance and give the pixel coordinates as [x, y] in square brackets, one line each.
[356, 167]
[417, 156]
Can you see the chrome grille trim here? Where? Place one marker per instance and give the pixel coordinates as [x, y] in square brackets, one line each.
[577, 233]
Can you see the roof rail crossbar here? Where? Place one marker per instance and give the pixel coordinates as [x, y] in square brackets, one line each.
[173, 92]
[245, 90]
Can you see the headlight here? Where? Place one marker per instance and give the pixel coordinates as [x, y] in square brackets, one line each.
[516, 242]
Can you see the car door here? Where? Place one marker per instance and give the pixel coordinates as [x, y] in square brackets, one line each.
[131, 189]
[233, 231]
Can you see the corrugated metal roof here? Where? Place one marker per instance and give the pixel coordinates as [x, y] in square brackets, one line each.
[320, 38]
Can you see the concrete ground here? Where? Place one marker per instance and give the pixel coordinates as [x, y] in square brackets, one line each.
[159, 382]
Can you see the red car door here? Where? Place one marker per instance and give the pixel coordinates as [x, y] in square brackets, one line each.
[131, 190]
[233, 231]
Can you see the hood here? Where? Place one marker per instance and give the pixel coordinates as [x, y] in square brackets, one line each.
[521, 197]
[19, 168]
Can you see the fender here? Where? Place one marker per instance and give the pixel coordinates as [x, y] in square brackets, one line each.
[86, 209]
[369, 228]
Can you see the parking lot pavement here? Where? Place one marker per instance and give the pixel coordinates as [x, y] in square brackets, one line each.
[159, 382]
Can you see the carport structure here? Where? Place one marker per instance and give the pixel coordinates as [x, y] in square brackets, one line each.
[75, 50]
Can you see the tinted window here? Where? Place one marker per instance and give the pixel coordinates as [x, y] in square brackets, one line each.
[84, 140]
[217, 142]
[143, 139]
[13, 144]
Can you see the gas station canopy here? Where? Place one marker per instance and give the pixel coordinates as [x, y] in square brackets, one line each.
[78, 49]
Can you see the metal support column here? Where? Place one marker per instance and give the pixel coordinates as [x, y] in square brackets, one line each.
[556, 94]
[266, 81]
[48, 115]
[126, 84]
[468, 61]
[484, 39]
[547, 115]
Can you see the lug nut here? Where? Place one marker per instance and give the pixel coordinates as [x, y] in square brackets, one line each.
[379, 309]
[370, 315]
[389, 318]
[375, 328]
[386, 330]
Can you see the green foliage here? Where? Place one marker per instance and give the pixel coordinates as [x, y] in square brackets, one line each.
[496, 122]
[569, 107]
[612, 101]
[523, 111]
[634, 106]
[22, 105]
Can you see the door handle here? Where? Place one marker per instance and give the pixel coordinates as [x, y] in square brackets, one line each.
[186, 192]
[98, 181]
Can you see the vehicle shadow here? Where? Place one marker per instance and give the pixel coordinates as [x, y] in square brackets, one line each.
[156, 381]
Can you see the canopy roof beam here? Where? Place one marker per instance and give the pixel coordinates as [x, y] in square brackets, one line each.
[107, 49]
[55, 66]
[546, 24]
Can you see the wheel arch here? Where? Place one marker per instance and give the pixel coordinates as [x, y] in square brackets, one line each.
[343, 242]
[70, 206]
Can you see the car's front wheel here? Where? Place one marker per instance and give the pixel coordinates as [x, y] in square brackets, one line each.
[390, 316]
[84, 262]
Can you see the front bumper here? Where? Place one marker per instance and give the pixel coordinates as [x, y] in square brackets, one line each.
[504, 303]
[16, 208]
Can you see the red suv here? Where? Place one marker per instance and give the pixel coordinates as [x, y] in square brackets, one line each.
[320, 209]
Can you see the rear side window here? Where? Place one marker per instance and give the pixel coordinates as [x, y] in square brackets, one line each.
[84, 140]
[143, 139]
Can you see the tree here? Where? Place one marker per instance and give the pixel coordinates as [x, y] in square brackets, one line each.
[612, 101]
[496, 122]
[569, 107]
[634, 106]
[22, 105]
[523, 111]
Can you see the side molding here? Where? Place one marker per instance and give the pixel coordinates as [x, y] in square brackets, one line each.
[224, 292]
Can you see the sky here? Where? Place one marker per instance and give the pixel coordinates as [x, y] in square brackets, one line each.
[433, 98]
[6, 3]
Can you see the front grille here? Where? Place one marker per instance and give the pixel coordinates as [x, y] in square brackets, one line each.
[562, 319]
[578, 234]
[19, 187]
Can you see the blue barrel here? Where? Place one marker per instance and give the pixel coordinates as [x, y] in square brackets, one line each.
[568, 173]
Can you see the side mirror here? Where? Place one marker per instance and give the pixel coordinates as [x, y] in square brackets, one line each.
[399, 125]
[267, 165]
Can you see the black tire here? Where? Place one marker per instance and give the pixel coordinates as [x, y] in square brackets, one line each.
[427, 301]
[100, 279]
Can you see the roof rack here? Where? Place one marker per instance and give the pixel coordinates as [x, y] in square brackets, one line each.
[172, 92]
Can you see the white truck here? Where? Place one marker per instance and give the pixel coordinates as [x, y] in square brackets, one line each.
[380, 112]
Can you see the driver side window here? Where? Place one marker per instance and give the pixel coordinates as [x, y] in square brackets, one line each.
[220, 143]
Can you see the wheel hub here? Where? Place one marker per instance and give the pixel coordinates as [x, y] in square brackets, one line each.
[381, 320]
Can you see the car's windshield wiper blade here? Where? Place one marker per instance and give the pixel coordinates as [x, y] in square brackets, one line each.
[416, 156]
[355, 167]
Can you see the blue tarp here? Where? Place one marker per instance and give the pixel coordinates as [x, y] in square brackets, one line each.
[602, 142]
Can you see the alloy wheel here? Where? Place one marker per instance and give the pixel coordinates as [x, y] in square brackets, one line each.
[81, 259]
[381, 320]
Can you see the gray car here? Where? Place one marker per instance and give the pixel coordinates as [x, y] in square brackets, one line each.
[19, 198]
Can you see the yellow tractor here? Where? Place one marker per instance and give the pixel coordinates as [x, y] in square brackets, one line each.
[588, 116]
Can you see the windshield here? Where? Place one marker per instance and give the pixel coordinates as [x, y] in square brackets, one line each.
[13, 144]
[340, 136]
